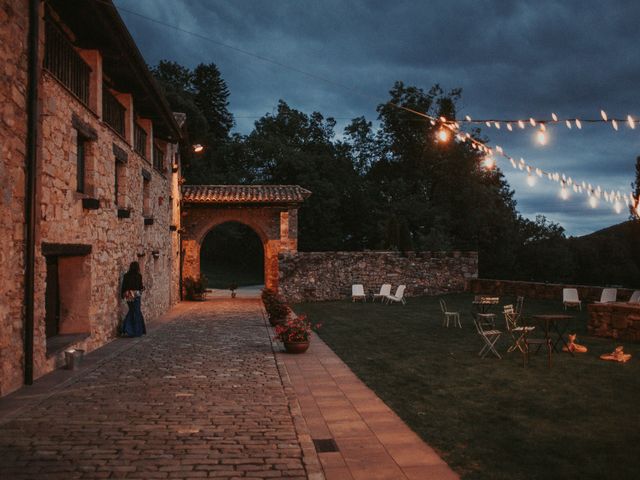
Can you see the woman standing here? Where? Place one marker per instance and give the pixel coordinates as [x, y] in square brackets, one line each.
[133, 324]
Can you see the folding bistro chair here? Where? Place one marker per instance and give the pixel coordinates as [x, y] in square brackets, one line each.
[518, 333]
[357, 293]
[398, 297]
[570, 298]
[489, 337]
[528, 342]
[447, 315]
[385, 290]
[519, 305]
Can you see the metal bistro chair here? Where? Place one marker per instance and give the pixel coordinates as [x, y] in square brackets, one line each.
[489, 337]
[517, 332]
[447, 315]
[527, 342]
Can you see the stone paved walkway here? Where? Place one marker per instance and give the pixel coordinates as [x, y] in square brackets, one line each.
[200, 396]
[372, 441]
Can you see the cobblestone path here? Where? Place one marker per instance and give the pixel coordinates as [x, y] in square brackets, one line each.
[199, 397]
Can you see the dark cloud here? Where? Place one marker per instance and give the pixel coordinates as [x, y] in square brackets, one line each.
[512, 59]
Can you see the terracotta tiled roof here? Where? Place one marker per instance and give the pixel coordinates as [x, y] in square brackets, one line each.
[244, 193]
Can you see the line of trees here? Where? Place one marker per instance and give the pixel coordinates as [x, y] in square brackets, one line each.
[386, 187]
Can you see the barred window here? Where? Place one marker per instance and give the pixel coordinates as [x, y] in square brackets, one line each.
[112, 111]
[64, 63]
[140, 140]
[158, 159]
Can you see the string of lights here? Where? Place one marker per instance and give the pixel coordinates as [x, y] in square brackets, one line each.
[448, 129]
[511, 124]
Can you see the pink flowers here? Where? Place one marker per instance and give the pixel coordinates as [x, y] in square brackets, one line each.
[295, 329]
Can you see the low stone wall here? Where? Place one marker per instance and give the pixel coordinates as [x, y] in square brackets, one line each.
[615, 320]
[546, 291]
[318, 276]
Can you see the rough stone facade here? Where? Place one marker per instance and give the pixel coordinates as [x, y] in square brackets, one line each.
[318, 276]
[13, 132]
[546, 291]
[84, 240]
[277, 227]
[615, 320]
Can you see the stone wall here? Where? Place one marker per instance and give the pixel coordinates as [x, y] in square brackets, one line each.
[615, 320]
[114, 241]
[13, 132]
[317, 276]
[546, 291]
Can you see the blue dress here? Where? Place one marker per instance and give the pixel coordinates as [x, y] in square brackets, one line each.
[133, 324]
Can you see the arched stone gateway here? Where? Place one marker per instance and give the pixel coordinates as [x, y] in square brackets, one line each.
[270, 210]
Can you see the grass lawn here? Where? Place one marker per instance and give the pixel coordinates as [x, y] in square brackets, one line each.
[492, 418]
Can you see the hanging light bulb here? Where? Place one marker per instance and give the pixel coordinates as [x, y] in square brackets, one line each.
[578, 124]
[520, 123]
[617, 207]
[543, 127]
[497, 124]
[614, 124]
[489, 162]
[532, 122]
[443, 135]
[467, 118]
[564, 193]
[593, 202]
[603, 114]
[631, 122]
[509, 127]
[531, 180]
[568, 123]
[488, 123]
[541, 137]
[554, 116]
[197, 148]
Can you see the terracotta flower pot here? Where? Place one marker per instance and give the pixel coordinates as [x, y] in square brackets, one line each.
[296, 347]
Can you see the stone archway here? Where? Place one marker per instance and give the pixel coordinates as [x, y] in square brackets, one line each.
[269, 210]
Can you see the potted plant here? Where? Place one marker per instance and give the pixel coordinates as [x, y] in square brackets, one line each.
[276, 307]
[295, 333]
[233, 287]
[195, 288]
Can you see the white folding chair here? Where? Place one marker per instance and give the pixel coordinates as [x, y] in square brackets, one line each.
[608, 295]
[518, 333]
[357, 293]
[398, 297]
[635, 297]
[447, 315]
[385, 290]
[489, 337]
[570, 298]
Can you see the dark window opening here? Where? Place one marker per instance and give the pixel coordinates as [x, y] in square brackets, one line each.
[63, 62]
[52, 299]
[146, 197]
[81, 158]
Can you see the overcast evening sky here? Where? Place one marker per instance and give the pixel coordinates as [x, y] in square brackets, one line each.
[513, 59]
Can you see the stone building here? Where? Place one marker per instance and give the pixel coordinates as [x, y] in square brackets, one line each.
[89, 182]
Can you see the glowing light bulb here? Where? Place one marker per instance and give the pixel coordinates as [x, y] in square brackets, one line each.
[509, 127]
[467, 118]
[564, 193]
[568, 123]
[554, 116]
[497, 124]
[631, 122]
[541, 137]
[603, 114]
[617, 207]
[443, 135]
[489, 162]
[614, 124]
[593, 202]
[488, 123]
[543, 127]
[531, 180]
[198, 148]
[520, 123]
[532, 122]
[578, 124]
